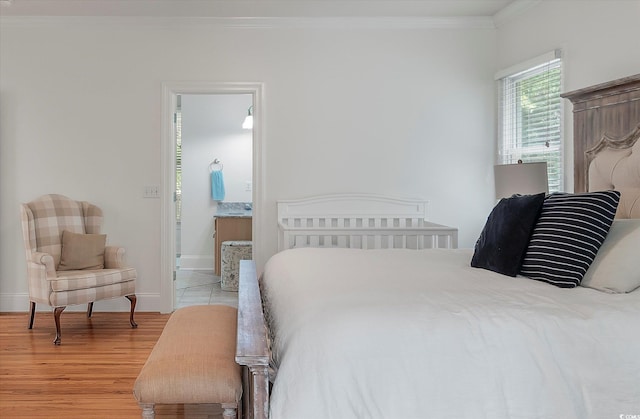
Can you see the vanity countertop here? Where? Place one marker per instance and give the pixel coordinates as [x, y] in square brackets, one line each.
[234, 210]
[237, 214]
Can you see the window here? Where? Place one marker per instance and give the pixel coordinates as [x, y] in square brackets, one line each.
[530, 115]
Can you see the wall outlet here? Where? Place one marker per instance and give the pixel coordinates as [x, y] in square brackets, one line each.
[151, 192]
[248, 186]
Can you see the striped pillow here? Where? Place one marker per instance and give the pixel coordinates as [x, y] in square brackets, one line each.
[567, 236]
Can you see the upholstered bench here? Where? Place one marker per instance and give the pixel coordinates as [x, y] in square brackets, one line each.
[193, 362]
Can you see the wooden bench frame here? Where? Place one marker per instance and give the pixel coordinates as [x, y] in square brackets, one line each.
[252, 349]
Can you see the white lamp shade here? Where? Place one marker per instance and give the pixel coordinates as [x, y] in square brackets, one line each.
[521, 178]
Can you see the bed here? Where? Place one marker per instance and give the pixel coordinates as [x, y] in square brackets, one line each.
[395, 331]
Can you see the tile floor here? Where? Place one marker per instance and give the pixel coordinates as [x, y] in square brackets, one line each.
[200, 288]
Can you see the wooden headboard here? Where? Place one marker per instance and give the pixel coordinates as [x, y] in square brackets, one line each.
[610, 110]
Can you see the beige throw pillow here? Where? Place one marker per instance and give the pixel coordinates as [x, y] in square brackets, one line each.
[82, 251]
[616, 268]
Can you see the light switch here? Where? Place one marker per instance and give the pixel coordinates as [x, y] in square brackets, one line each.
[248, 186]
[152, 191]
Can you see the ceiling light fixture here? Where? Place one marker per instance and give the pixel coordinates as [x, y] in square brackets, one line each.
[248, 121]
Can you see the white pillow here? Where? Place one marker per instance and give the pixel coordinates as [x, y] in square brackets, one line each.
[616, 268]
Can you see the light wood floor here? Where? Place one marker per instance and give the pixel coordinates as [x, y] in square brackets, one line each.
[90, 375]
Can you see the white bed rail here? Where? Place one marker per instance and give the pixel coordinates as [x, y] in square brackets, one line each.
[360, 221]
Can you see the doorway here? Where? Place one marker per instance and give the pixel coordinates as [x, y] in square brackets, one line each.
[194, 201]
[210, 142]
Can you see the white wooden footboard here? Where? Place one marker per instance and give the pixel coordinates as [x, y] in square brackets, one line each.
[360, 221]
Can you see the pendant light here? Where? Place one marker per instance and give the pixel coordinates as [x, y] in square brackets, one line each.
[248, 121]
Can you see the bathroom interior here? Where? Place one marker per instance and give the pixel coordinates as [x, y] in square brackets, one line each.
[214, 208]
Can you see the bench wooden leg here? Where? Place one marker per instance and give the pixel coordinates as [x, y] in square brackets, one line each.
[230, 410]
[259, 391]
[147, 410]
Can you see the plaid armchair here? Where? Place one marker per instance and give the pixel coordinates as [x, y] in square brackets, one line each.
[55, 230]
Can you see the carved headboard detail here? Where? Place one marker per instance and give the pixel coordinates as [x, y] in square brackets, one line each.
[608, 110]
[614, 163]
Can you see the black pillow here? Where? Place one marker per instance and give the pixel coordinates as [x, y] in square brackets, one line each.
[504, 239]
[567, 236]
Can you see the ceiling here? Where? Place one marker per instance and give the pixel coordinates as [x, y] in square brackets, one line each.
[260, 8]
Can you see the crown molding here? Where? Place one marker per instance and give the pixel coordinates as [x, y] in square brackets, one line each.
[512, 10]
[474, 22]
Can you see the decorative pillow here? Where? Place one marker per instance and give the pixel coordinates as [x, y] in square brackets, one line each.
[82, 251]
[616, 268]
[567, 236]
[504, 239]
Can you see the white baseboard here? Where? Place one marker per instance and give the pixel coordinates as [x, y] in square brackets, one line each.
[196, 262]
[19, 302]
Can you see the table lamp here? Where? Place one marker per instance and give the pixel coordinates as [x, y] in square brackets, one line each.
[520, 178]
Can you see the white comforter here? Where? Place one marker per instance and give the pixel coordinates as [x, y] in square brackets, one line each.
[420, 334]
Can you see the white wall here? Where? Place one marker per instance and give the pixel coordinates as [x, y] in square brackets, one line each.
[388, 110]
[211, 129]
[403, 111]
[599, 40]
[399, 111]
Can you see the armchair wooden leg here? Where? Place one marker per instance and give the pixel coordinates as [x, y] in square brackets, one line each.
[32, 313]
[89, 309]
[133, 300]
[56, 316]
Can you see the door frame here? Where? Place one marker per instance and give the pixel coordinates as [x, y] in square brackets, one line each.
[170, 91]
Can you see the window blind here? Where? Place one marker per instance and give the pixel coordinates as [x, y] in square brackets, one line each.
[178, 127]
[530, 117]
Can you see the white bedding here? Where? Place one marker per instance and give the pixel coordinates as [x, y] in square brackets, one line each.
[420, 334]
